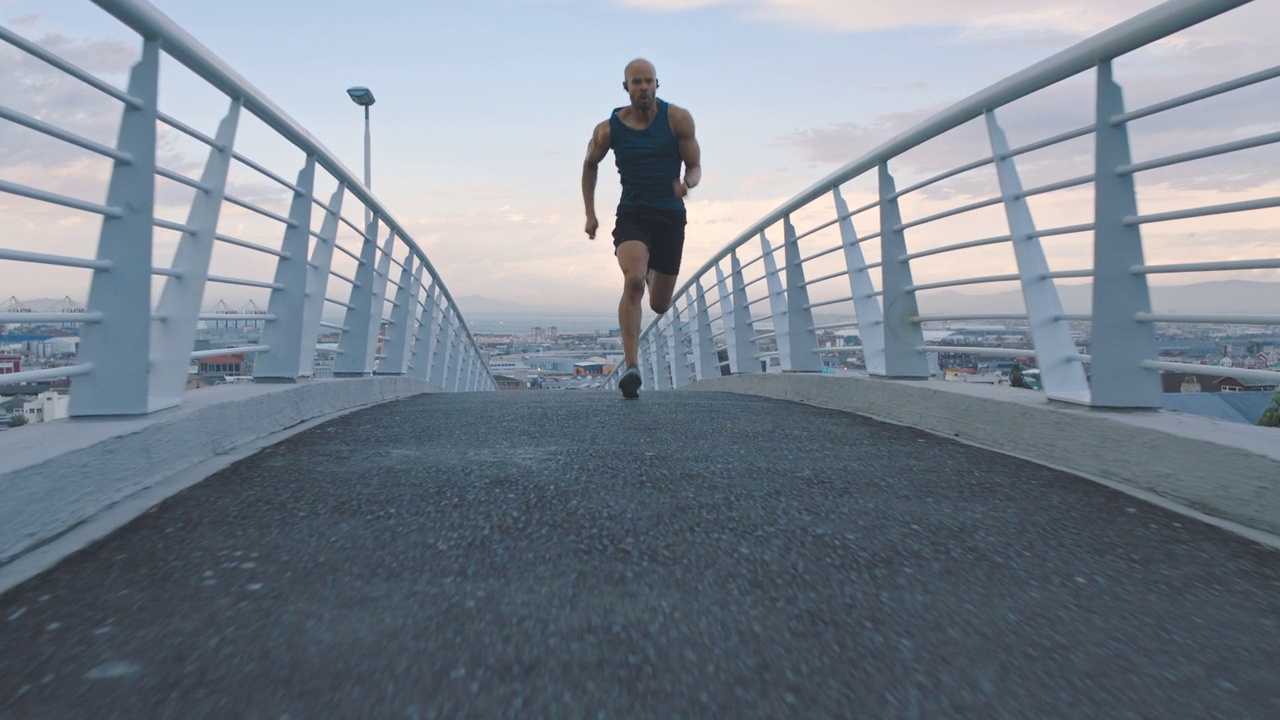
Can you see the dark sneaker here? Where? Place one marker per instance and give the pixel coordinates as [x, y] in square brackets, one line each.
[630, 382]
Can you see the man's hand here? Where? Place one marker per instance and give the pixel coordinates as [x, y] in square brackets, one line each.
[593, 224]
[681, 188]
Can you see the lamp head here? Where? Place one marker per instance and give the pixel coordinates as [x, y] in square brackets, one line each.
[361, 95]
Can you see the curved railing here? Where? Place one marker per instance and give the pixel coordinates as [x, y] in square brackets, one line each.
[751, 307]
[138, 340]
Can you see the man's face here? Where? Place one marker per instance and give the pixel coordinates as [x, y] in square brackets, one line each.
[642, 86]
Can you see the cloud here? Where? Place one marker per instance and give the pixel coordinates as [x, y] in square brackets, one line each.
[979, 19]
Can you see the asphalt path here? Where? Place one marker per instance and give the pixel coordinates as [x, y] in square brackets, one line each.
[687, 555]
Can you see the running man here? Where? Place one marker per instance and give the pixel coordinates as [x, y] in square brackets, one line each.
[650, 138]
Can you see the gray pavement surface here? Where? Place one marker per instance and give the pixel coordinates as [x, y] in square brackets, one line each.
[686, 555]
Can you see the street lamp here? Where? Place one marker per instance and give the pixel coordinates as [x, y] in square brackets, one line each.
[363, 97]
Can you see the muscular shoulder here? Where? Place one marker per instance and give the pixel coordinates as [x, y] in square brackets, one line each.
[681, 120]
[601, 132]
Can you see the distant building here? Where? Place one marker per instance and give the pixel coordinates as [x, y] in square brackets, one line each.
[222, 364]
[10, 364]
[47, 406]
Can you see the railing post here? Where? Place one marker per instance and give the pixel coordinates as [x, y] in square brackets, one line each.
[289, 305]
[680, 375]
[425, 337]
[318, 281]
[902, 337]
[801, 337]
[174, 336]
[865, 304]
[361, 319]
[379, 303]
[440, 348]
[735, 313]
[777, 304]
[118, 347]
[1061, 372]
[649, 370]
[661, 362]
[395, 353]
[706, 361]
[455, 352]
[1120, 343]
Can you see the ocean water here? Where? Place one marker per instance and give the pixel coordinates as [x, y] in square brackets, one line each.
[519, 324]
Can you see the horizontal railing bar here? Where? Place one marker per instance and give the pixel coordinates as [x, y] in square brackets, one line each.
[918, 319]
[1200, 154]
[815, 281]
[1143, 317]
[1047, 142]
[950, 213]
[166, 272]
[1203, 211]
[246, 349]
[237, 316]
[340, 303]
[182, 127]
[46, 374]
[974, 165]
[182, 179]
[1074, 317]
[834, 326]
[998, 352]
[340, 276]
[332, 326]
[1191, 97]
[170, 225]
[1057, 274]
[56, 199]
[74, 71]
[771, 353]
[957, 246]
[1060, 185]
[965, 281]
[260, 210]
[1260, 264]
[1267, 376]
[251, 246]
[51, 318]
[66, 136]
[355, 227]
[818, 229]
[822, 253]
[347, 252]
[255, 166]
[825, 303]
[1064, 230]
[245, 283]
[46, 259]
[762, 298]
[748, 283]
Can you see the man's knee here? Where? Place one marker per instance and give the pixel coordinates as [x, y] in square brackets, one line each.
[633, 284]
[658, 304]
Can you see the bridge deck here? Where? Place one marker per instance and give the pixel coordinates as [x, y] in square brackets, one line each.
[688, 555]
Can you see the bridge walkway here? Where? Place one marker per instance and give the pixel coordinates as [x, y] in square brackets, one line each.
[697, 555]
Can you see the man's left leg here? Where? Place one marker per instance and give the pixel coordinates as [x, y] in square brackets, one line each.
[661, 288]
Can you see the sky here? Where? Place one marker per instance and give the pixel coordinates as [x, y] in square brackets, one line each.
[484, 110]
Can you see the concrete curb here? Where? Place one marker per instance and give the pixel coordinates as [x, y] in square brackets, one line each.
[1224, 470]
[99, 473]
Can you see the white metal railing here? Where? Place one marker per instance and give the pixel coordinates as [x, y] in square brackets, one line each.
[137, 341]
[750, 308]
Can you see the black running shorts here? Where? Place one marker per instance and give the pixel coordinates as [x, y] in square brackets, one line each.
[662, 231]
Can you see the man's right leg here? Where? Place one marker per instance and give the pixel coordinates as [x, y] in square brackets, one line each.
[633, 259]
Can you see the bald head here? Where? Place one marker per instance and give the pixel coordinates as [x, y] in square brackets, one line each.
[639, 65]
[640, 80]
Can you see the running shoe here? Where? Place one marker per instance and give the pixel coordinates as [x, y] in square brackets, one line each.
[630, 382]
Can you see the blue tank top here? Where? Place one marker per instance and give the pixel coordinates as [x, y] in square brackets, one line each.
[648, 161]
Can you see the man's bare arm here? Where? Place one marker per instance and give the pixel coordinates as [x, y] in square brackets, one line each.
[596, 150]
[690, 153]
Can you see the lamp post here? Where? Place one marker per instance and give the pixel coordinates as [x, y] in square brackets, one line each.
[363, 97]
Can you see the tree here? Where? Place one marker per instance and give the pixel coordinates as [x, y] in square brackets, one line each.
[1016, 379]
[17, 420]
[1271, 416]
